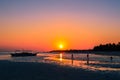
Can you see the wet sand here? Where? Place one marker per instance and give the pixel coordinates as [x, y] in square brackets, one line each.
[42, 71]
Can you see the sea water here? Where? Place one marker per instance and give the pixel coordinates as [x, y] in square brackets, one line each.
[85, 61]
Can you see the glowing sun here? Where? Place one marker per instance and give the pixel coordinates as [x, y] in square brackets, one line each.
[61, 46]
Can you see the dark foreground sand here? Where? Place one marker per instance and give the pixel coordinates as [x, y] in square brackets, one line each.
[42, 71]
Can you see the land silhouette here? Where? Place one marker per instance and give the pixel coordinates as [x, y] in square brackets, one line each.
[108, 49]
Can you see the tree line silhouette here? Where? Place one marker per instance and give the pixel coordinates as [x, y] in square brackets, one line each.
[107, 47]
[101, 47]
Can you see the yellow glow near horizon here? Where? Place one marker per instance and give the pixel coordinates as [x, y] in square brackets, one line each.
[61, 46]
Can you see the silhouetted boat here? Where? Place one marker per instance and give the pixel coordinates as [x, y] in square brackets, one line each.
[23, 54]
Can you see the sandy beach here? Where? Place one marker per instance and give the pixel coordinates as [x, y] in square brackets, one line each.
[42, 71]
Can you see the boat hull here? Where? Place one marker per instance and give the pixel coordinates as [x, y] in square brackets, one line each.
[22, 54]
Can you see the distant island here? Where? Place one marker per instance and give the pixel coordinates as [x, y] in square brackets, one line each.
[109, 49]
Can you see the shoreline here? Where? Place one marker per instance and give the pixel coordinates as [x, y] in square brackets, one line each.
[43, 71]
[111, 53]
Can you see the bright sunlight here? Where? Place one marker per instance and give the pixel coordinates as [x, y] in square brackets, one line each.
[61, 46]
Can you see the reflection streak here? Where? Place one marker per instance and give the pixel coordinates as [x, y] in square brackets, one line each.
[93, 65]
[61, 56]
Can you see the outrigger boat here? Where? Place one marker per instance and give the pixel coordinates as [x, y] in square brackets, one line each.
[24, 53]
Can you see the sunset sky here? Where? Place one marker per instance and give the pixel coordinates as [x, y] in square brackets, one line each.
[47, 24]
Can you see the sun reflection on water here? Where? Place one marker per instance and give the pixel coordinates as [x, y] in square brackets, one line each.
[61, 54]
[71, 61]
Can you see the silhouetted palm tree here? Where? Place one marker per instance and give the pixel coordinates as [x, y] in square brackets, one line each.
[108, 47]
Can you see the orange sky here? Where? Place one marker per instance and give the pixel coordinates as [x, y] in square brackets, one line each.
[45, 28]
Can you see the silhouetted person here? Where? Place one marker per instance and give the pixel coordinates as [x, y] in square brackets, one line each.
[87, 59]
[111, 58]
[72, 58]
[87, 55]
